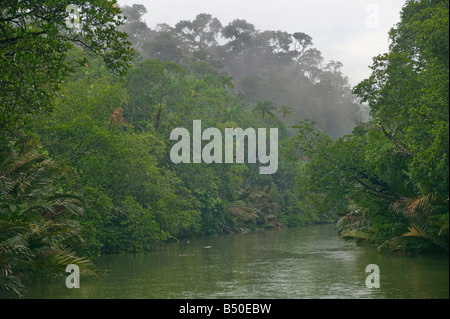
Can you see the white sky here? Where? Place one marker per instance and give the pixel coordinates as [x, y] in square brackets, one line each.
[349, 31]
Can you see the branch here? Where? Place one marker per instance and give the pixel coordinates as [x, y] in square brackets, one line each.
[16, 38]
[383, 187]
[389, 136]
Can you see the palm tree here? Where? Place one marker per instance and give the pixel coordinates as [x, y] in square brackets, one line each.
[421, 232]
[265, 108]
[284, 109]
[252, 205]
[354, 226]
[224, 81]
[35, 222]
[417, 211]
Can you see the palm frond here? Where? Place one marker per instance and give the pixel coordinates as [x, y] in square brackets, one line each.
[35, 221]
[413, 206]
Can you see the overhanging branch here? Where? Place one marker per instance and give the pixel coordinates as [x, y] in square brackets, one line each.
[399, 146]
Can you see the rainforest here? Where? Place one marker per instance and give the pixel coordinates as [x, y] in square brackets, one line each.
[86, 167]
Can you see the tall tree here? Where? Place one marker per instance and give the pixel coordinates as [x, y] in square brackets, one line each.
[200, 33]
[390, 178]
[136, 29]
[408, 93]
[285, 110]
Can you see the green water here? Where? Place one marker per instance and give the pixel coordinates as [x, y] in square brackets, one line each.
[305, 262]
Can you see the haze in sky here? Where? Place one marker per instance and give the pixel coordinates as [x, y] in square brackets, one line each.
[349, 31]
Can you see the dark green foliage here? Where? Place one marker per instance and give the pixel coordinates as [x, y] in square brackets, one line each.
[34, 43]
[389, 180]
[37, 222]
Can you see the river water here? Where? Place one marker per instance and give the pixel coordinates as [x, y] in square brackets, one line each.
[304, 262]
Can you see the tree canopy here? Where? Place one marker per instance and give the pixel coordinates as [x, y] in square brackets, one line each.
[34, 40]
[389, 180]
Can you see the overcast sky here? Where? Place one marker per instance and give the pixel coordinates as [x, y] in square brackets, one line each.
[349, 31]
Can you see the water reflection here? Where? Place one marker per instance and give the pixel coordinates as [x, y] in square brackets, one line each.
[306, 262]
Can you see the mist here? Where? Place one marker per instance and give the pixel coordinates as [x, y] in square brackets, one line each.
[261, 65]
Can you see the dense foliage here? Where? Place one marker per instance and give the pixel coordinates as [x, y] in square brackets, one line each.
[39, 227]
[389, 180]
[86, 119]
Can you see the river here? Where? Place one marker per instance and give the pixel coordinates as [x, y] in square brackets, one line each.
[304, 262]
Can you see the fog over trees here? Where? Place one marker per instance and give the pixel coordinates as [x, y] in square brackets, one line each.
[263, 65]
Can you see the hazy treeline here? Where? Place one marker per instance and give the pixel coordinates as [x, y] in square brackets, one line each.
[264, 65]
